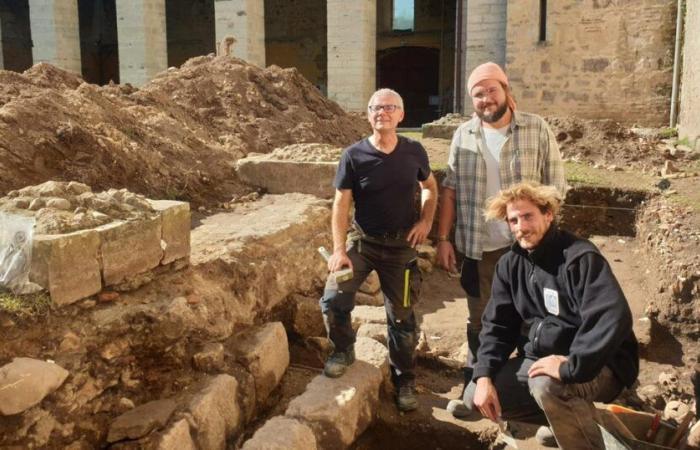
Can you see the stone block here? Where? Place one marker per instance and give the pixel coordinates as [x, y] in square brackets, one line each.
[307, 319]
[177, 437]
[280, 177]
[25, 382]
[376, 331]
[129, 248]
[376, 299]
[175, 228]
[67, 265]
[282, 433]
[371, 284]
[210, 358]
[368, 314]
[216, 413]
[140, 421]
[374, 353]
[338, 410]
[265, 354]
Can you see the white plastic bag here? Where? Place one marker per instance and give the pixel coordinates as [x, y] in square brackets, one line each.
[16, 233]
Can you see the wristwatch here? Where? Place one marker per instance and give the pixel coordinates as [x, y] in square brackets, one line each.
[443, 238]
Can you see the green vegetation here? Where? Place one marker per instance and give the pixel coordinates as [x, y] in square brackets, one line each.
[580, 173]
[25, 306]
[415, 135]
[668, 133]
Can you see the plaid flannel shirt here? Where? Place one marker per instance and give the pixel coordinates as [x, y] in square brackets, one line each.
[530, 153]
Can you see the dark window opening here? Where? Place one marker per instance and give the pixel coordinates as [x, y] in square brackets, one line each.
[404, 15]
[99, 46]
[543, 21]
[16, 35]
[190, 29]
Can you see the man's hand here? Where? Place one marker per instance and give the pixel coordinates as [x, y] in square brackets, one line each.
[338, 260]
[486, 399]
[418, 233]
[549, 365]
[446, 256]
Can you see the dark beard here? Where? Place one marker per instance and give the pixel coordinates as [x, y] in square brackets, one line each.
[495, 116]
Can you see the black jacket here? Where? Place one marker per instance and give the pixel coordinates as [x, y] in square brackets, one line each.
[588, 320]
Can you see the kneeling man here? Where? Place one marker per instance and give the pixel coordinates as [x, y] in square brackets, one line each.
[580, 347]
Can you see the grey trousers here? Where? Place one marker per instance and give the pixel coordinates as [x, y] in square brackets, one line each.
[400, 280]
[567, 408]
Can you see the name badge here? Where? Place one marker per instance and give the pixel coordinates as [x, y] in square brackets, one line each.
[551, 301]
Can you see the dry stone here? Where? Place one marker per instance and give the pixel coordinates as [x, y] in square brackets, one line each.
[282, 433]
[307, 319]
[374, 353]
[176, 224]
[368, 314]
[375, 331]
[284, 176]
[177, 437]
[371, 284]
[140, 421]
[210, 358]
[67, 265]
[25, 382]
[216, 413]
[129, 248]
[338, 410]
[376, 299]
[265, 354]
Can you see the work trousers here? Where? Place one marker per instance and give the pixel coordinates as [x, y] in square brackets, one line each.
[400, 279]
[567, 407]
[476, 280]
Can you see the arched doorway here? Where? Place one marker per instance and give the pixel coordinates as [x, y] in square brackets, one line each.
[414, 73]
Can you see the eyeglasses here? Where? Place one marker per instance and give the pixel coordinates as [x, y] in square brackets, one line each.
[490, 92]
[387, 108]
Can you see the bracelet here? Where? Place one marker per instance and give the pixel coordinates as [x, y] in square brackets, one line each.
[443, 239]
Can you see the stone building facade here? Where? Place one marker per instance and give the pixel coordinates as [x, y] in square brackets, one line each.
[589, 58]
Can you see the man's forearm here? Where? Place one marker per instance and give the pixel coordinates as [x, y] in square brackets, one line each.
[340, 221]
[428, 204]
[447, 211]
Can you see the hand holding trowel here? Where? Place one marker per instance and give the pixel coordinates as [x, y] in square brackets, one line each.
[341, 275]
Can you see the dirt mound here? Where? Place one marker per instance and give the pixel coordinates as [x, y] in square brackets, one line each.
[178, 137]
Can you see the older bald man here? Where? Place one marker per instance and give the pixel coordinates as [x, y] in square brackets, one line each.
[499, 147]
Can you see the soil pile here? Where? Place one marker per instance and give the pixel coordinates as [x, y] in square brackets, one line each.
[177, 137]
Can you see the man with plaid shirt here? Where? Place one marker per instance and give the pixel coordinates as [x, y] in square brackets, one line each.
[496, 149]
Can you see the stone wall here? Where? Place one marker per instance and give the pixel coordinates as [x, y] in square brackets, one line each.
[245, 21]
[295, 36]
[689, 119]
[352, 43]
[601, 59]
[483, 37]
[143, 49]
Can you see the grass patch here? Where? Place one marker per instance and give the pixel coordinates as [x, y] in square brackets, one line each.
[584, 174]
[668, 133]
[25, 306]
[415, 135]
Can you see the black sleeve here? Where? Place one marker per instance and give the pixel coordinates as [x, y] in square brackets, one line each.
[345, 174]
[606, 319]
[500, 325]
[423, 163]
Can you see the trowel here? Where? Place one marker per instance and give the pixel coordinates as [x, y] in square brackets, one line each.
[341, 275]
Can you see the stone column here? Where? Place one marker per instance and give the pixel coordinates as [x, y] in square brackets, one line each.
[55, 33]
[244, 20]
[143, 45]
[689, 118]
[352, 48]
[484, 34]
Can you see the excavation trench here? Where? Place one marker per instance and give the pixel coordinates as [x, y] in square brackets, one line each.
[606, 216]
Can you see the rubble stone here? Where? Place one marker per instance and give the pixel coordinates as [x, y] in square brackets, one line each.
[371, 284]
[376, 299]
[307, 319]
[25, 382]
[265, 354]
[210, 358]
[140, 421]
[368, 314]
[177, 437]
[282, 433]
[375, 331]
[216, 413]
[338, 410]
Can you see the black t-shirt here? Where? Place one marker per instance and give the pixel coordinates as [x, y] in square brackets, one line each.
[383, 186]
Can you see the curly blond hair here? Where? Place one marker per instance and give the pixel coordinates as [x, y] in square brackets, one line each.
[546, 198]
